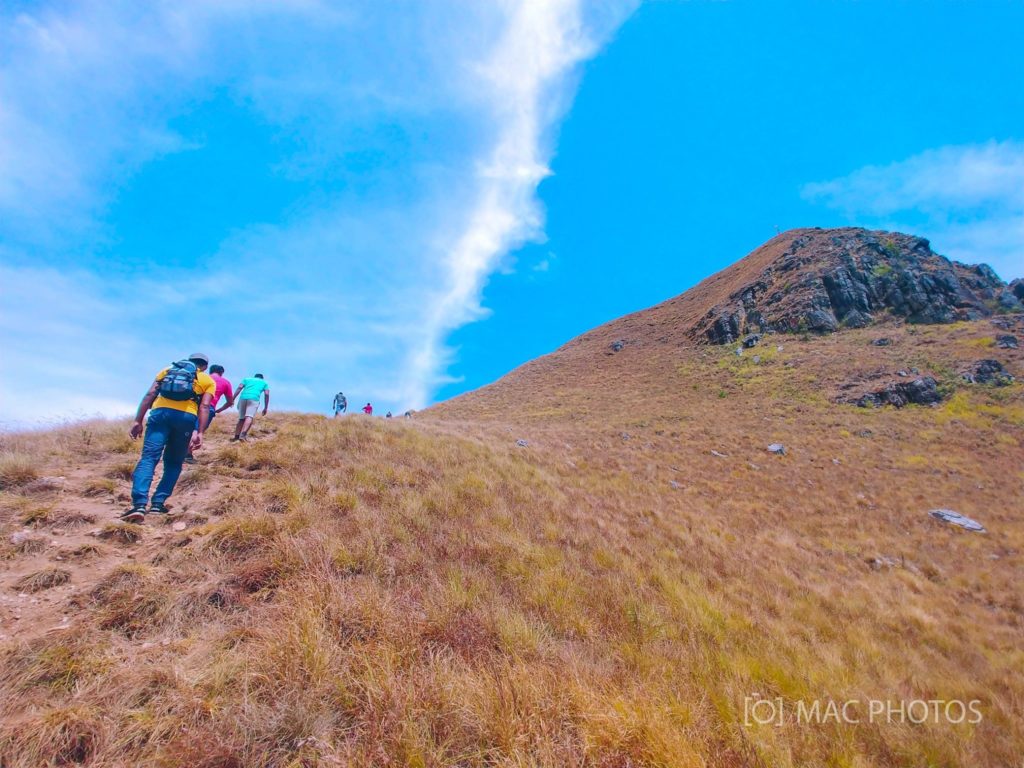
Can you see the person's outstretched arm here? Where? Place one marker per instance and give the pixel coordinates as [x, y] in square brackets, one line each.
[229, 400]
[144, 406]
[204, 421]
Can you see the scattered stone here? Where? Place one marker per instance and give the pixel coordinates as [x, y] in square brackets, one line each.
[1006, 341]
[880, 562]
[739, 351]
[779, 348]
[757, 359]
[865, 433]
[179, 526]
[988, 372]
[720, 455]
[1002, 322]
[674, 484]
[885, 341]
[920, 391]
[616, 346]
[836, 461]
[955, 518]
[19, 537]
[522, 443]
[751, 340]
[904, 374]
[777, 448]
[626, 436]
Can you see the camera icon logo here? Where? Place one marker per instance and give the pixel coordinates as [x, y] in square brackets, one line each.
[762, 711]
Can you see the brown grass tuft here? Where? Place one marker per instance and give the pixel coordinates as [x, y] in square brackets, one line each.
[121, 533]
[242, 536]
[16, 470]
[130, 601]
[70, 519]
[54, 737]
[44, 579]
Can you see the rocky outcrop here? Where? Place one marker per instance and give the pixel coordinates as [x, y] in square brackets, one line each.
[832, 279]
[920, 391]
[988, 372]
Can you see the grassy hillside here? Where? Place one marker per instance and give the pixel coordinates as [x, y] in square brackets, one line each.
[430, 593]
[593, 562]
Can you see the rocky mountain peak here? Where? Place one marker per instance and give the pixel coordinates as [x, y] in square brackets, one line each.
[827, 279]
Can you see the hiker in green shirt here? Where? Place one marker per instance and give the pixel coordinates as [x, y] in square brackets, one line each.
[248, 398]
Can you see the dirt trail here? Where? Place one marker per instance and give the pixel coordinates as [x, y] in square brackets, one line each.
[74, 537]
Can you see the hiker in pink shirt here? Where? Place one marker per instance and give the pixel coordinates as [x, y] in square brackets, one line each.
[223, 388]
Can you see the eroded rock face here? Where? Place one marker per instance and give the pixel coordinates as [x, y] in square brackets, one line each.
[1017, 288]
[832, 279]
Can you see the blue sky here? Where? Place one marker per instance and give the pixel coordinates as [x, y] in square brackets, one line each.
[406, 200]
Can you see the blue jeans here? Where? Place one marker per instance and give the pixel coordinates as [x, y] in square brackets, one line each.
[168, 433]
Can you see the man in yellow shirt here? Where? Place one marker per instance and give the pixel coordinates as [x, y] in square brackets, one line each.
[180, 398]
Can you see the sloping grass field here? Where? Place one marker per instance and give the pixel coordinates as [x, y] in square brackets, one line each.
[616, 592]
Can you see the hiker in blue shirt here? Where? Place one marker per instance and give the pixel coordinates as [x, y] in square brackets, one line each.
[340, 404]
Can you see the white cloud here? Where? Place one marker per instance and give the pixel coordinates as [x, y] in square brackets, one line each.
[969, 200]
[359, 286]
[54, 365]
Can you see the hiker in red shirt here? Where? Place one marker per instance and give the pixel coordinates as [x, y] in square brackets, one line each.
[368, 409]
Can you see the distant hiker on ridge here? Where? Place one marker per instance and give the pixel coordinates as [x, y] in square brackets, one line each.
[387, 415]
[368, 409]
[340, 404]
[248, 398]
[180, 398]
[223, 388]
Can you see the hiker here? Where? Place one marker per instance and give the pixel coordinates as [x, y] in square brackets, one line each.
[368, 409]
[180, 400]
[248, 398]
[340, 404]
[223, 389]
[387, 415]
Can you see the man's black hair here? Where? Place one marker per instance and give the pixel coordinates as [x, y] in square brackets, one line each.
[218, 369]
[259, 375]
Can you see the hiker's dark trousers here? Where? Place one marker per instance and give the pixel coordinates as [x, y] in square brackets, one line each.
[168, 433]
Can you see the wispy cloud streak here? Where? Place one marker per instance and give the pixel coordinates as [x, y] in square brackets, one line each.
[528, 81]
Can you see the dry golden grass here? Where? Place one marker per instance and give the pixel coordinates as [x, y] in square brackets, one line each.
[45, 579]
[16, 469]
[428, 593]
